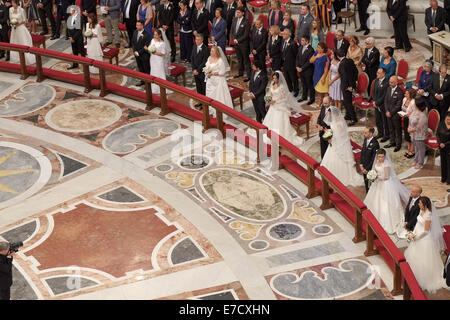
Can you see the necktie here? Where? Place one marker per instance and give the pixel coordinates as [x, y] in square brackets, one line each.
[368, 52]
[392, 92]
[433, 18]
[339, 43]
[393, 2]
[198, 49]
[127, 9]
[284, 45]
[412, 203]
[256, 74]
[303, 50]
[238, 24]
[441, 81]
[73, 21]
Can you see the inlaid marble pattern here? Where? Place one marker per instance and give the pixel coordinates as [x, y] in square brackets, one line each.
[231, 291]
[64, 252]
[29, 98]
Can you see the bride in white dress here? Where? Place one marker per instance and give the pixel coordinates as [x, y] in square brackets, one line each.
[159, 62]
[424, 251]
[339, 158]
[20, 34]
[94, 43]
[277, 118]
[386, 194]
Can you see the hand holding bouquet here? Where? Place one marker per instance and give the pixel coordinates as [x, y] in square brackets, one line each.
[328, 135]
[207, 70]
[152, 49]
[372, 175]
[410, 236]
[13, 22]
[88, 33]
[267, 98]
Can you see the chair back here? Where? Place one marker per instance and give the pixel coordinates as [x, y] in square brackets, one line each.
[363, 83]
[209, 27]
[418, 75]
[371, 88]
[265, 21]
[402, 69]
[330, 40]
[433, 120]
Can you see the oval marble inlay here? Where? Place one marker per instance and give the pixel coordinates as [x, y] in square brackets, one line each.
[83, 115]
[322, 229]
[258, 244]
[285, 231]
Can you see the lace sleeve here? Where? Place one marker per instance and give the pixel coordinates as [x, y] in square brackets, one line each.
[281, 95]
[222, 69]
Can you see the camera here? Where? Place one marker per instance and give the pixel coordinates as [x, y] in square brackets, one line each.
[14, 247]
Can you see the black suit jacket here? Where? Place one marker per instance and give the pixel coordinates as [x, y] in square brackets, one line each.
[5, 272]
[447, 270]
[4, 16]
[439, 20]
[379, 91]
[229, 14]
[411, 214]
[90, 6]
[302, 60]
[164, 17]
[289, 54]
[200, 24]
[348, 73]
[434, 88]
[258, 42]
[275, 47]
[320, 121]
[372, 61]
[198, 61]
[214, 5]
[398, 10]
[345, 44]
[258, 86]
[368, 153]
[393, 103]
[242, 35]
[139, 44]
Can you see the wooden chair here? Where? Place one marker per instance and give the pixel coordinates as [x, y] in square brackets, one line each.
[433, 123]
[402, 72]
[330, 40]
[346, 15]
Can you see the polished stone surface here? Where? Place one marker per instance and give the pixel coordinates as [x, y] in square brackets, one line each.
[31, 97]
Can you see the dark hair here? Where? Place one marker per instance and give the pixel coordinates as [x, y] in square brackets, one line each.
[341, 53]
[93, 17]
[323, 46]
[307, 6]
[185, 2]
[447, 114]
[412, 92]
[159, 33]
[220, 11]
[259, 64]
[389, 50]
[276, 75]
[340, 32]
[241, 9]
[371, 129]
[383, 70]
[141, 22]
[426, 202]
[420, 104]
[381, 151]
[306, 37]
[335, 52]
[199, 35]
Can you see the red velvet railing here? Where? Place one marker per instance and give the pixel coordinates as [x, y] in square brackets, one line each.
[289, 153]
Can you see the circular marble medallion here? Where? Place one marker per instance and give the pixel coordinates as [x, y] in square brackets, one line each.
[164, 168]
[285, 231]
[258, 244]
[194, 162]
[83, 115]
[322, 229]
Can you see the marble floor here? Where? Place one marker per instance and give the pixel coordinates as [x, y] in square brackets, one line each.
[115, 202]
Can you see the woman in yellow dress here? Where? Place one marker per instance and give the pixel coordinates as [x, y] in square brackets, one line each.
[321, 67]
[355, 52]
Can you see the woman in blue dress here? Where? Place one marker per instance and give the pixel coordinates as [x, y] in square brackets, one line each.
[321, 67]
[425, 80]
[388, 62]
[145, 13]
[186, 39]
[218, 30]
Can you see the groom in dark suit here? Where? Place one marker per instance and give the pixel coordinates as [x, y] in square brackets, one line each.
[368, 153]
[322, 125]
[412, 209]
[199, 56]
[139, 41]
[349, 75]
[258, 84]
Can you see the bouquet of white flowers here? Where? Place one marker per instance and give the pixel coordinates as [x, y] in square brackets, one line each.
[372, 175]
[410, 236]
[152, 49]
[88, 33]
[328, 135]
[207, 69]
[267, 98]
[13, 22]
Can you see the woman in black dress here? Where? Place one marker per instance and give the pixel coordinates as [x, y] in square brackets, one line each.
[274, 51]
[288, 23]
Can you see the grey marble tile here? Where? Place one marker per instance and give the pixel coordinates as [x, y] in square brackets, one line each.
[21, 289]
[185, 251]
[20, 233]
[227, 295]
[70, 165]
[121, 195]
[377, 295]
[4, 85]
[65, 284]
[33, 97]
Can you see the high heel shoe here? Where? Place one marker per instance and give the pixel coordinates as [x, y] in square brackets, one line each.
[409, 156]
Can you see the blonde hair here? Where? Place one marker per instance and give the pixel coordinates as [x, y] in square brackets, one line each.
[275, 29]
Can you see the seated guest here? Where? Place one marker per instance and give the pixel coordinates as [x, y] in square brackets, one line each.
[439, 90]
[218, 30]
[355, 53]
[435, 17]
[443, 136]
[258, 42]
[140, 41]
[408, 106]
[274, 50]
[288, 23]
[340, 41]
[316, 34]
[275, 16]
[371, 58]
[418, 126]
[388, 62]
[425, 80]
[184, 20]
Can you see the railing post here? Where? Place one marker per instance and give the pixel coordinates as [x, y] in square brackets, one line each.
[325, 195]
[311, 184]
[205, 117]
[359, 236]
[149, 96]
[103, 89]
[87, 78]
[406, 290]
[39, 72]
[397, 280]
[163, 99]
[258, 145]
[23, 66]
[220, 122]
[370, 251]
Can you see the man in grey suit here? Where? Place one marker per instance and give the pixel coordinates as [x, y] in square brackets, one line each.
[110, 10]
[304, 23]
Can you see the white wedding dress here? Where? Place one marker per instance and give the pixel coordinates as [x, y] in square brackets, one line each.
[94, 47]
[157, 63]
[339, 158]
[424, 257]
[217, 86]
[20, 35]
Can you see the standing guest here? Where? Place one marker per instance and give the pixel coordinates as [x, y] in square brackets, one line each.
[45, 11]
[363, 5]
[338, 5]
[199, 57]
[355, 53]
[258, 42]
[288, 23]
[434, 18]
[425, 80]
[5, 271]
[275, 16]
[380, 87]
[19, 33]
[4, 17]
[130, 12]
[306, 70]
[191, 6]
[145, 13]
[393, 104]
[323, 124]
[316, 34]
[219, 29]
[94, 43]
[87, 6]
[371, 59]
[139, 41]
[349, 75]
[240, 39]
[31, 12]
[409, 107]
[212, 6]
[75, 33]
[184, 20]
[447, 12]
[274, 50]
[341, 42]
[388, 62]
[418, 126]
[439, 90]
[304, 22]
[368, 153]
[335, 90]
[61, 14]
[110, 10]
[321, 63]
[443, 136]
[200, 18]
[243, 3]
[397, 12]
[289, 52]
[165, 16]
[228, 14]
[323, 12]
[258, 84]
